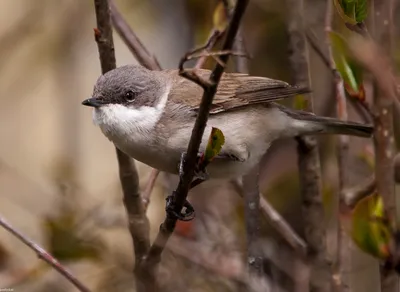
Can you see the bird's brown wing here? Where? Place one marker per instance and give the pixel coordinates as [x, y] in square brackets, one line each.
[234, 90]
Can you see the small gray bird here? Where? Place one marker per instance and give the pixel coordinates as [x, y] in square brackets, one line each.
[149, 115]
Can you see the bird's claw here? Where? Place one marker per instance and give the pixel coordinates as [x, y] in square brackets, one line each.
[187, 214]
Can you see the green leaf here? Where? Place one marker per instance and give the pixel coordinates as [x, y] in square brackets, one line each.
[214, 145]
[352, 11]
[220, 17]
[361, 10]
[370, 229]
[348, 68]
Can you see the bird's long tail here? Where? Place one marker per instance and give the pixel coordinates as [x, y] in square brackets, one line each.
[308, 123]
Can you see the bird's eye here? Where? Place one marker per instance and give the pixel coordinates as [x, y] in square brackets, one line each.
[130, 96]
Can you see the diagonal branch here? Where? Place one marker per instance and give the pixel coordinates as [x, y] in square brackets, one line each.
[44, 255]
[137, 220]
[180, 194]
[131, 40]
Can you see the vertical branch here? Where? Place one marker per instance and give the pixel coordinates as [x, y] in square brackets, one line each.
[341, 279]
[383, 120]
[251, 191]
[137, 220]
[309, 164]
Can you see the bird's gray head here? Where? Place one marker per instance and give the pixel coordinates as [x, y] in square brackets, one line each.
[131, 86]
[129, 94]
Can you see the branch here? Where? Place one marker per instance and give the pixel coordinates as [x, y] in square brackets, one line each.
[308, 157]
[215, 35]
[362, 108]
[251, 191]
[277, 222]
[137, 220]
[353, 195]
[44, 255]
[342, 265]
[131, 40]
[180, 194]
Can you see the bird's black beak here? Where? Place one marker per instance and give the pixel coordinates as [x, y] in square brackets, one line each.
[93, 102]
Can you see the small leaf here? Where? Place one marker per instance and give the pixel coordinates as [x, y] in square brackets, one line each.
[214, 145]
[352, 11]
[348, 68]
[361, 10]
[370, 230]
[220, 17]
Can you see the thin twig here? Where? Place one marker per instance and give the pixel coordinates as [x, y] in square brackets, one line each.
[277, 222]
[361, 107]
[180, 194]
[149, 187]
[251, 191]
[137, 220]
[342, 263]
[353, 195]
[134, 44]
[215, 35]
[308, 158]
[44, 255]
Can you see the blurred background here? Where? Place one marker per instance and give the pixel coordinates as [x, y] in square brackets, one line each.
[58, 174]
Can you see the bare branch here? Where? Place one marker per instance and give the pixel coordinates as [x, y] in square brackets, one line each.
[362, 108]
[251, 190]
[44, 255]
[149, 187]
[308, 157]
[215, 35]
[342, 264]
[353, 195]
[180, 194]
[137, 220]
[277, 222]
[131, 40]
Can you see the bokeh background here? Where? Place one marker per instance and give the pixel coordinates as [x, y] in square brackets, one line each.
[58, 174]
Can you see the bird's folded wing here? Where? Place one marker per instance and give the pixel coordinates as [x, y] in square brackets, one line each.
[234, 90]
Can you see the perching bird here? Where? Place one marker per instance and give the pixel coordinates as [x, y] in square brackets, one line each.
[149, 115]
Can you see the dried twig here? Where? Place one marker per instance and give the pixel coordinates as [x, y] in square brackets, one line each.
[180, 194]
[309, 164]
[277, 222]
[215, 35]
[138, 222]
[343, 244]
[385, 94]
[353, 195]
[251, 191]
[44, 255]
[131, 40]
[361, 107]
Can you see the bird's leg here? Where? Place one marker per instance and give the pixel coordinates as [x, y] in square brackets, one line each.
[200, 176]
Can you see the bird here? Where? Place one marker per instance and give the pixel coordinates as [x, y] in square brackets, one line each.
[149, 115]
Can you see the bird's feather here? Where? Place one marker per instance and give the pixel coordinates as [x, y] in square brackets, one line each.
[234, 90]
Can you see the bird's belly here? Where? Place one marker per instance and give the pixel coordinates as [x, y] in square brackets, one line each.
[162, 160]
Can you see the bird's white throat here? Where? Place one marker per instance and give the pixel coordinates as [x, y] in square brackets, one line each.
[117, 119]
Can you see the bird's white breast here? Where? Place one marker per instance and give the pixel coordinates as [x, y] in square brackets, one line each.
[132, 129]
